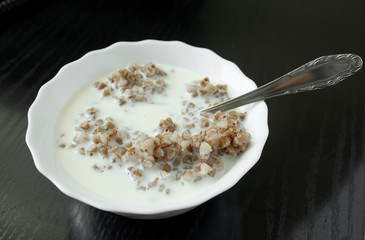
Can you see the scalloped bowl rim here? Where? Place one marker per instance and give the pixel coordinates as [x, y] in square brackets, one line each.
[215, 189]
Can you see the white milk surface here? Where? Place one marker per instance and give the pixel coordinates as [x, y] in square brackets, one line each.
[115, 183]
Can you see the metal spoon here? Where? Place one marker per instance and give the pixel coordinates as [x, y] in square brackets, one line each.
[317, 74]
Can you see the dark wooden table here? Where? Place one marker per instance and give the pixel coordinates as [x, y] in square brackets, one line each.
[310, 180]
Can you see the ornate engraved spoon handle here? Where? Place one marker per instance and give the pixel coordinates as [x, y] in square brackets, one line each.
[319, 73]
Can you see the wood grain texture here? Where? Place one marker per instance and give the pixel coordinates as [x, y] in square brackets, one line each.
[310, 180]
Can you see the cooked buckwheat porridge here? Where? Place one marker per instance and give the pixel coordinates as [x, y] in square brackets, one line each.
[137, 136]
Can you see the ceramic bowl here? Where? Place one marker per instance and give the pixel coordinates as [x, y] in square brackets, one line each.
[54, 94]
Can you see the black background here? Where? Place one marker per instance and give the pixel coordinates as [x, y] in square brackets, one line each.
[309, 182]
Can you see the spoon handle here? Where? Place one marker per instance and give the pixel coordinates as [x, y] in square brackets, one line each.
[317, 74]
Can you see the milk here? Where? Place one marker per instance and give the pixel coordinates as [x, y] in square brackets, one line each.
[115, 183]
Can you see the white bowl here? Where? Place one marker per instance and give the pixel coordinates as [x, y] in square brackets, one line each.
[54, 94]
